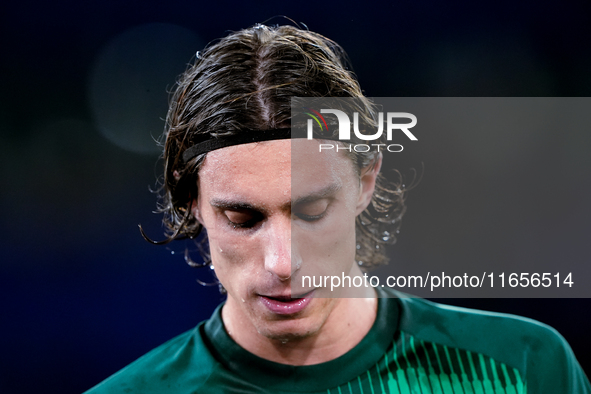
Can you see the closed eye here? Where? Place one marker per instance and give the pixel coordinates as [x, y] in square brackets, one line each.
[311, 211]
[243, 218]
[310, 218]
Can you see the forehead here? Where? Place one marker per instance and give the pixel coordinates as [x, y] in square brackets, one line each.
[272, 169]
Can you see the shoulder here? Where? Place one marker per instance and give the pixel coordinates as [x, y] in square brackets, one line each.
[181, 363]
[542, 355]
[452, 325]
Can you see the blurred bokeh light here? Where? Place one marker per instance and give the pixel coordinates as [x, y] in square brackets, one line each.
[128, 78]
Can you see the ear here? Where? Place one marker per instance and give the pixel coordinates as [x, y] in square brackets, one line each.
[368, 178]
[195, 211]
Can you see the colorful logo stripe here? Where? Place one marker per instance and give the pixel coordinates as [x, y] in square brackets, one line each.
[316, 118]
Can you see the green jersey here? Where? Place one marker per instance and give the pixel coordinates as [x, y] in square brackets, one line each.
[414, 346]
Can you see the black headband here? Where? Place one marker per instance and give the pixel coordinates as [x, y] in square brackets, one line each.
[243, 137]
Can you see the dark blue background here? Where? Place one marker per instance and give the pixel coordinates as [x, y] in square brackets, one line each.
[83, 295]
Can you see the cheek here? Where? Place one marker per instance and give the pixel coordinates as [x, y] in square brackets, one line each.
[234, 260]
[328, 251]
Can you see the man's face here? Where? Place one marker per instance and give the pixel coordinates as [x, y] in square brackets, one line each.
[275, 211]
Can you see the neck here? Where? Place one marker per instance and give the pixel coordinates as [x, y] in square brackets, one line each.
[347, 323]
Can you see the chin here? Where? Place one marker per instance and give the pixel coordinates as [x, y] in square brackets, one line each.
[288, 330]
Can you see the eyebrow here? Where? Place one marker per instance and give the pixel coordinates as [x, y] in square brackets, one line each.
[314, 196]
[319, 195]
[232, 205]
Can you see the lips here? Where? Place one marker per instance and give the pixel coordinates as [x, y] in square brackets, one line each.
[281, 298]
[286, 305]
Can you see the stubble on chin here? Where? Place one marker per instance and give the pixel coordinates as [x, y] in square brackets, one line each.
[275, 332]
[292, 328]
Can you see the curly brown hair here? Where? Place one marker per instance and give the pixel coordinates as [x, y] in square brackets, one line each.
[245, 81]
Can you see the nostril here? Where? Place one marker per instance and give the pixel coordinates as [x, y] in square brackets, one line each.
[279, 266]
[284, 279]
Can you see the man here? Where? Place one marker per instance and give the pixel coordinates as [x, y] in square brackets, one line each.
[275, 209]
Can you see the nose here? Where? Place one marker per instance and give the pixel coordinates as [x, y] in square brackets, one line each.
[278, 251]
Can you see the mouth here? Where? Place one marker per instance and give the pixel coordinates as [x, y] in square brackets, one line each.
[286, 304]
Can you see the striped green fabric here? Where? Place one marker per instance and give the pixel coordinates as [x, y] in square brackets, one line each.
[415, 346]
[412, 366]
